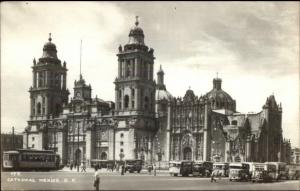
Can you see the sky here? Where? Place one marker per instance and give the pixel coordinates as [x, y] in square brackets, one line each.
[253, 46]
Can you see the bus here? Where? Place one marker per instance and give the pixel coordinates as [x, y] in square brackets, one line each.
[174, 168]
[202, 168]
[264, 172]
[222, 167]
[30, 159]
[239, 171]
[184, 168]
[281, 170]
[294, 171]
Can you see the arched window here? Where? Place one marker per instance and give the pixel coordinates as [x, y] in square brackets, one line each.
[39, 108]
[146, 102]
[103, 156]
[126, 101]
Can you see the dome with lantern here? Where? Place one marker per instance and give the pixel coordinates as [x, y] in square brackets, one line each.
[218, 98]
[49, 49]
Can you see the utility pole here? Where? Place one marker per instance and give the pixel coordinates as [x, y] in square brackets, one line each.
[78, 146]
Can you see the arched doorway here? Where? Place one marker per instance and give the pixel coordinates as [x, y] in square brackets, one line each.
[187, 153]
[103, 156]
[78, 156]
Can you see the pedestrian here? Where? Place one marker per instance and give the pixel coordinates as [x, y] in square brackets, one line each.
[71, 166]
[97, 180]
[154, 169]
[122, 169]
[118, 167]
[149, 168]
[213, 175]
[83, 168]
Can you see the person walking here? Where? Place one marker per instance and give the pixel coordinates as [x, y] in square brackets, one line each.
[83, 168]
[122, 169]
[213, 175]
[149, 168]
[71, 166]
[97, 179]
[154, 169]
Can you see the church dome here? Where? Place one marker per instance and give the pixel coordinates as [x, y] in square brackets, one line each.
[218, 98]
[136, 34]
[189, 96]
[49, 49]
[162, 94]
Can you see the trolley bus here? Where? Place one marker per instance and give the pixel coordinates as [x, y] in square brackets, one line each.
[27, 159]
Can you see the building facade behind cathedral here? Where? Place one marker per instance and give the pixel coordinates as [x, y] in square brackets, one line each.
[145, 121]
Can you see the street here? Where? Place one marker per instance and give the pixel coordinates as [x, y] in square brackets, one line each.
[72, 180]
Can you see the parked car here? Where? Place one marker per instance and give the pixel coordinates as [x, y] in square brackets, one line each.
[239, 171]
[202, 168]
[133, 165]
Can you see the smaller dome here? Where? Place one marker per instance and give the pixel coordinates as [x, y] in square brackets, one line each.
[136, 34]
[189, 95]
[162, 95]
[49, 49]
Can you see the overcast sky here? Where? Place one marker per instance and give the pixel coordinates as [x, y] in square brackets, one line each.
[254, 46]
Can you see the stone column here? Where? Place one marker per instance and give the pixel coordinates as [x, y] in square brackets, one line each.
[119, 68]
[88, 146]
[137, 97]
[168, 145]
[116, 99]
[248, 150]
[206, 156]
[34, 79]
[136, 67]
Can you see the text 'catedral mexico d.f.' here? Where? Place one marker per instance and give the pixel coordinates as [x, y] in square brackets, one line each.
[145, 122]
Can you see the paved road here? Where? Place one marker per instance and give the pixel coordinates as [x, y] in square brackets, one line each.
[65, 180]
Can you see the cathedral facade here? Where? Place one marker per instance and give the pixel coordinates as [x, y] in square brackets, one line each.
[145, 121]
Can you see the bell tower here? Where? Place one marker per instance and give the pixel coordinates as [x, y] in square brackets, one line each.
[48, 92]
[134, 86]
[135, 98]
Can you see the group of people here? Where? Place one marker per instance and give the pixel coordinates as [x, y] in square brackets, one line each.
[152, 167]
[82, 166]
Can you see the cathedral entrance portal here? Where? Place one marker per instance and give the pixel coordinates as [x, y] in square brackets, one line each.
[103, 156]
[187, 153]
[78, 156]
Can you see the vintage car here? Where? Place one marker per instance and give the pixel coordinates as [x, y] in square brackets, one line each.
[239, 171]
[133, 166]
[174, 168]
[202, 168]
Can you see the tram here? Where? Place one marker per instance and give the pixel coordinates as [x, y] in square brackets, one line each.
[30, 159]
